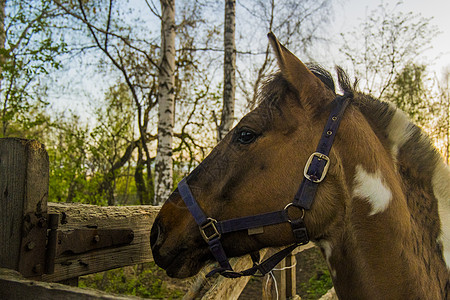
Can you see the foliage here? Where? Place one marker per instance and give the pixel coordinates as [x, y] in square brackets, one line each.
[384, 44]
[409, 92]
[318, 285]
[69, 175]
[83, 160]
[441, 112]
[110, 139]
[139, 280]
[30, 50]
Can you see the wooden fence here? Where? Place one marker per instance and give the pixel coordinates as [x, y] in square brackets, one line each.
[44, 243]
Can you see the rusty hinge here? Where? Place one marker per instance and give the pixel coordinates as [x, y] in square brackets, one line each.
[33, 245]
[43, 242]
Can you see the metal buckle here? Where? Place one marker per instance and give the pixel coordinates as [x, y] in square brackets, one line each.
[215, 233]
[320, 156]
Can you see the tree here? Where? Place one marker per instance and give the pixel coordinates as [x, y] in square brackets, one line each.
[297, 24]
[410, 92]
[129, 50]
[229, 68]
[135, 61]
[442, 115]
[28, 49]
[2, 33]
[384, 44]
[163, 161]
[112, 142]
[68, 157]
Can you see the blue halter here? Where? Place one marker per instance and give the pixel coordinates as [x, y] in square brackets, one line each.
[315, 171]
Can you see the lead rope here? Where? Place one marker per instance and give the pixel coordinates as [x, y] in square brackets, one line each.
[272, 277]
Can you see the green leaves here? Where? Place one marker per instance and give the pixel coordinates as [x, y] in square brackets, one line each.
[30, 49]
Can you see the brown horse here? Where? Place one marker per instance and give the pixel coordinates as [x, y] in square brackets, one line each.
[380, 216]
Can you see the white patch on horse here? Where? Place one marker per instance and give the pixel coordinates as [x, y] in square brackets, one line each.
[441, 190]
[399, 130]
[327, 250]
[371, 186]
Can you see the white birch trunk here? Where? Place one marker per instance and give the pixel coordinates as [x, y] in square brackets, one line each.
[163, 162]
[229, 68]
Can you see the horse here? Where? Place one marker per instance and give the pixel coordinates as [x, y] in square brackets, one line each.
[381, 210]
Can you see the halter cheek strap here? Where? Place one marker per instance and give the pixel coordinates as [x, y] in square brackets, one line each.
[315, 171]
[207, 226]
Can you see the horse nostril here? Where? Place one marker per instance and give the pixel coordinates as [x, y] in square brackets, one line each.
[155, 234]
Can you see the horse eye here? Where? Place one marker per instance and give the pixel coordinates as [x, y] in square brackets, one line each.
[246, 137]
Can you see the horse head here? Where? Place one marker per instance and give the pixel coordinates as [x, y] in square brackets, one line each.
[255, 169]
[374, 216]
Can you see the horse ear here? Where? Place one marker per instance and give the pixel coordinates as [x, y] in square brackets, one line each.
[296, 73]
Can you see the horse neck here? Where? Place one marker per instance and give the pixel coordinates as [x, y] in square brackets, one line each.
[388, 245]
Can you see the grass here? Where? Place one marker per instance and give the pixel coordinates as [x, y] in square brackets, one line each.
[140, 280]
[150, 281]
[317, 285]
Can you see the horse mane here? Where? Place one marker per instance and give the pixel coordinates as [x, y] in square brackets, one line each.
[412, 150]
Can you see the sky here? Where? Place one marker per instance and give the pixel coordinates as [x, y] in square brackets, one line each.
[349, 13]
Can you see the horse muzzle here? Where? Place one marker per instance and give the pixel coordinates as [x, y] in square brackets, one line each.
[178, 250]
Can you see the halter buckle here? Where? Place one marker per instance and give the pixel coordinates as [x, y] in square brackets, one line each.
[319, 156]
[211, 227]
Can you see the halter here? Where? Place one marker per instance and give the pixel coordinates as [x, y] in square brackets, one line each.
[315, 171]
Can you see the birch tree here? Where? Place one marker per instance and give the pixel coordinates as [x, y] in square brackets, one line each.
[163, 161]
[229, 70]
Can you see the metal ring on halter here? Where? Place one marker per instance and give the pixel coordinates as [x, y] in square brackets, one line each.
[286, 209]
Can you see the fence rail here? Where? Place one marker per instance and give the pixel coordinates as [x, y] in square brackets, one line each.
[57, 242]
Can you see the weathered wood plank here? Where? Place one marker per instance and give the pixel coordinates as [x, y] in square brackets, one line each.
[330, 295]
[226, 288]
[303, 248]
[14, 286]
[23, 190]
[76, 216]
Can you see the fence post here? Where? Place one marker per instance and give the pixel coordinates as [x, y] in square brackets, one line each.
[280, 280]
[24, 171]
[291, 277]
[284, 286]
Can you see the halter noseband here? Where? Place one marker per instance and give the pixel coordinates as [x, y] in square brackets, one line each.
[315, 171]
